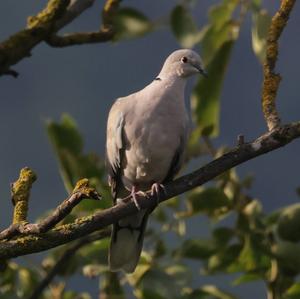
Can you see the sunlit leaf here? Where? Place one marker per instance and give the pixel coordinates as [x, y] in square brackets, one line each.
[27, 279]
[206, 94]
[293, 292]
[251, 257]
[261, 21]
[248, 277]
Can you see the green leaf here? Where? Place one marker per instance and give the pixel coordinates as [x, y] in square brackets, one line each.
[224, 260]
[261, 21]
[211, 201]
[293, 292]
[197, 249]
[131, 23]
[248, 277]
[74, 164]
[288, 256]
[223, 235]
[221, 29]
[252, 258]
[184, 27]
[221, 13]
[157, 284]
[206, 94]
[289, 223]
[208, 292]
[27, 279]
[217, 293]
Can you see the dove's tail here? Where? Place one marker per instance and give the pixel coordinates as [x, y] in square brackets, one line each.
[127, 242]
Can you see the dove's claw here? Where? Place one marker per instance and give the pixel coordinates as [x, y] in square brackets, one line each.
[156, 190]
[134, 194]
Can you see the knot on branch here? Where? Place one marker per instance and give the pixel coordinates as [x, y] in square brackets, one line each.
[20, 192]
[85, 190]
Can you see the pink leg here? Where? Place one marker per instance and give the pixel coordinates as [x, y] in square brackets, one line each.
[156, 190]
[134, 194]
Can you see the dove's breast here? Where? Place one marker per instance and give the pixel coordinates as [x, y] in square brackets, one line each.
[152, 140]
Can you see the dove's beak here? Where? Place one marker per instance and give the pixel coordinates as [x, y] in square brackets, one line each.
[200, 69]
[203, 72]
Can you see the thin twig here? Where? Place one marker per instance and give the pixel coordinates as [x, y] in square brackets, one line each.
[104, 34]
[74, 10]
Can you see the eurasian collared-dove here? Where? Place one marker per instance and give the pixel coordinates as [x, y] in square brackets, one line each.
[146, 138]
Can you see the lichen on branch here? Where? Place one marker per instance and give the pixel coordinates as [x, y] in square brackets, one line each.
[20, 192]
[271, 79]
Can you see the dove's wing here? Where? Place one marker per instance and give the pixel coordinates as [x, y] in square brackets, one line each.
[115, 147]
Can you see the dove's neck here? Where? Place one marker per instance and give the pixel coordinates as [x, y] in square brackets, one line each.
[172, 80]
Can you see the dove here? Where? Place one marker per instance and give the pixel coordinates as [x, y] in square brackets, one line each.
[146, 138]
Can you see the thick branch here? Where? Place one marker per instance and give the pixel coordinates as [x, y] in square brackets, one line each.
[99, 220]
[65, 258]
[271, 79]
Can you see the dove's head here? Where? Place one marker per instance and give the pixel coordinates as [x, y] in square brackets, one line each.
[183, 63]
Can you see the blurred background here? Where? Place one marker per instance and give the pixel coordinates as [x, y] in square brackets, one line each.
[83, 81]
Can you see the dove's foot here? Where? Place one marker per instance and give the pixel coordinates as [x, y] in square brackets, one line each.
[135, 194]
[157, 190]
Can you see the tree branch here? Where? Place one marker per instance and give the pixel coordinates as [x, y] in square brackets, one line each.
[44, 26]
[19, 45]
[65, 258]
[74, 10]
[268, 142]
[82, 190]
[271, 79]
[104, 34]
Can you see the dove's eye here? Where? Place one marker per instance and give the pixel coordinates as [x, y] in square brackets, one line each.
[184, 59]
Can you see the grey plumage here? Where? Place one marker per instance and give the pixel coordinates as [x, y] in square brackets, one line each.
[146, 138]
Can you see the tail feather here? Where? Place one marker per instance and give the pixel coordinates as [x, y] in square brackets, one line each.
[127, 242]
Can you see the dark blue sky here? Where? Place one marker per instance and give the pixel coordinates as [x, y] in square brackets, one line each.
[85, 80]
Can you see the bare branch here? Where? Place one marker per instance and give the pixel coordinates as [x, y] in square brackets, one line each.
[272, 79]
[65, 258]
[268, 142]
